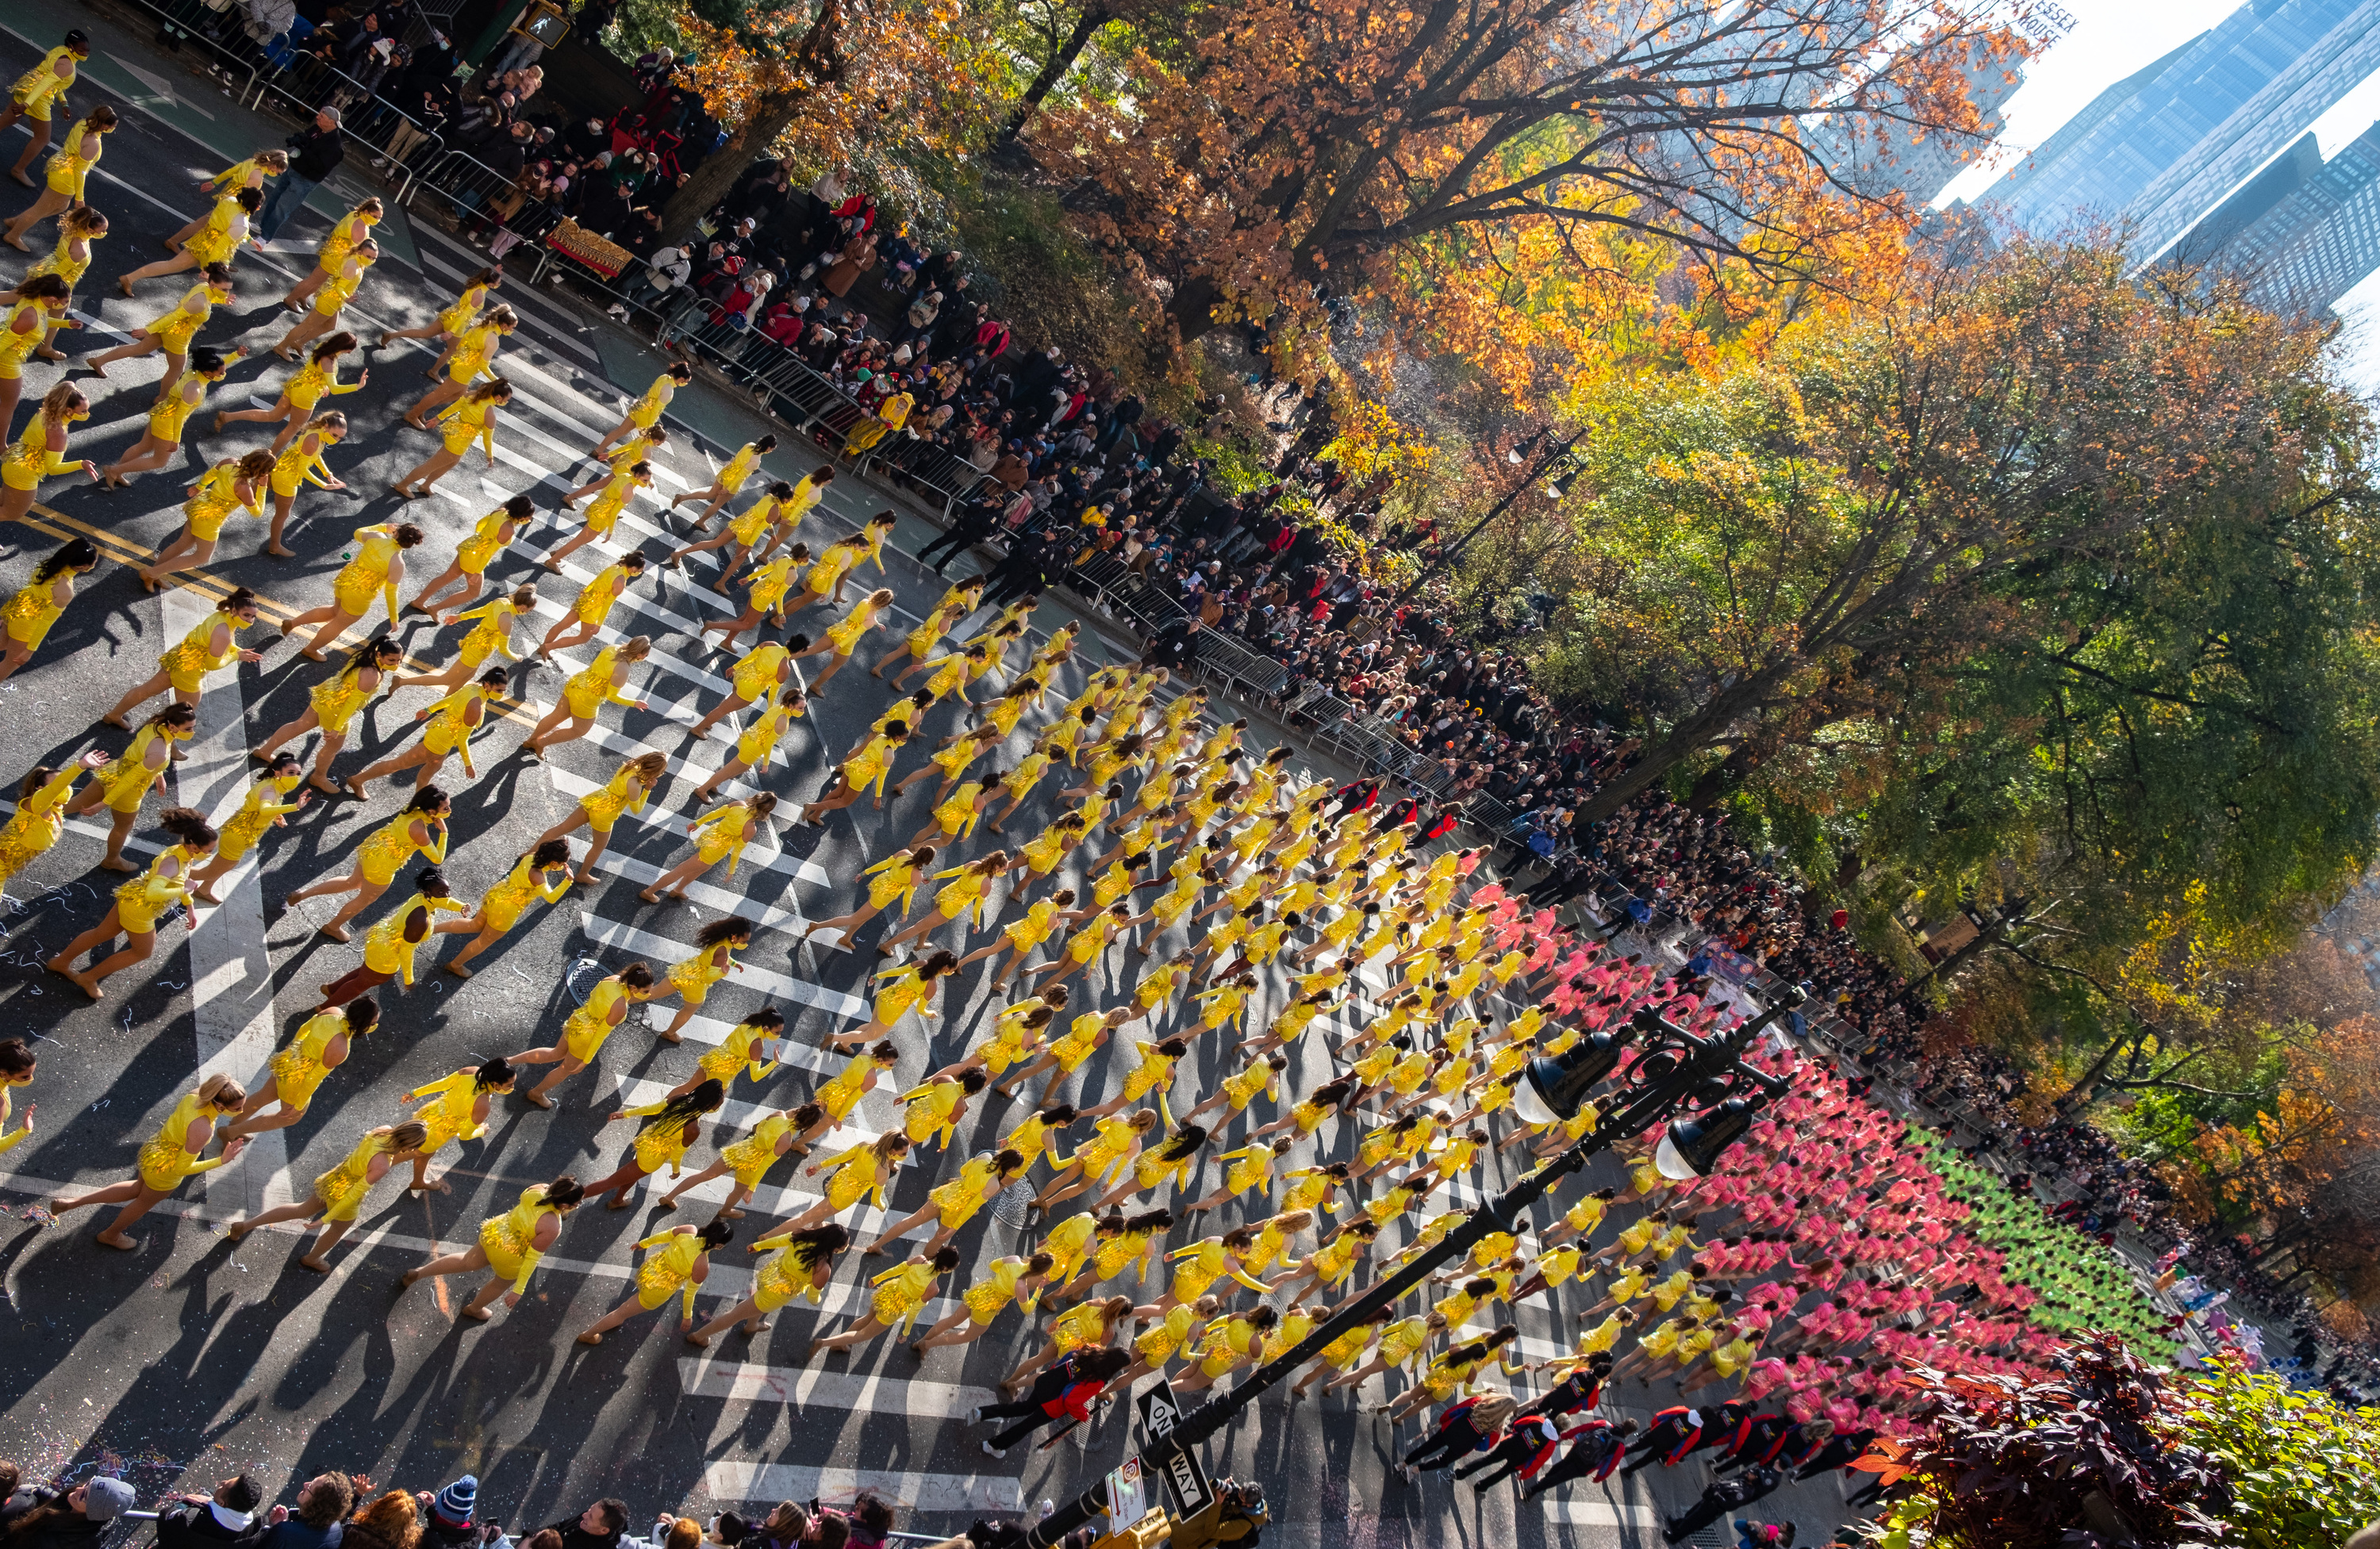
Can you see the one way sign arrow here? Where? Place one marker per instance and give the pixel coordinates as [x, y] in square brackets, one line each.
[1160, 1412]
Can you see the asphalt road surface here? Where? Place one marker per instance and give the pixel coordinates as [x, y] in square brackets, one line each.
[189, 1359]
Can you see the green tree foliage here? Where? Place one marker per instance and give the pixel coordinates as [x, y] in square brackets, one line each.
[2304, 1471]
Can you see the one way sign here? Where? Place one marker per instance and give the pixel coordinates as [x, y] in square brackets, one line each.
[1187, 1492]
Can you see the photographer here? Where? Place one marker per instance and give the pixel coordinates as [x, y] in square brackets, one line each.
[315, 152]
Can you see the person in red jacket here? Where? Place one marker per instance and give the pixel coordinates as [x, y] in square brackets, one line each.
[1066, 1392]
[1527, 1444]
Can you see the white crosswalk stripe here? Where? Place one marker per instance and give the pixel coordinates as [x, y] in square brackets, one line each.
[783, 986]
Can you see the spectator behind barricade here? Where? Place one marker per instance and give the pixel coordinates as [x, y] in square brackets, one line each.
[663, 274]
[63, 1516]
[227, 1517]
[1174, 644]
[598, 1526]
[323, 1503]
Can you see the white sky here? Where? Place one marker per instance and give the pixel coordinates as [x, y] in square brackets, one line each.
[2113, 37]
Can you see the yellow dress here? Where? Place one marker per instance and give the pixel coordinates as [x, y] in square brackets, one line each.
[1112, 1142]
[588, 691]
[501, 906]
[342, 1190]
[603, 512]
[457, 318]
[901, 1294]
[988, 1297]
[1080, 1327]
[831, 568]
[394, 845]
[15, 346]
[173, 329]
[368, 572]
[171, 413]
[465, 422]
[225, 228]
[217, 496]
[473, 351]
[842, 1093]
[39, 89]
[299, 1069]
[303, 459]
[739, 467]
[453, 1115]
[852, 1178]
[956, 1203]
[669, 1271]
[692, 977]
[71, 164]
[720, 837]
[963, 897]
[187, 664]
[780, 1278]
[928, 1111]
[747, 526]
[648, 409]
[769, 584]
[1202, 1263]
[473, 554]
[1078, 1042]
[870, 765]
[1225, 1347]
[510, 1239]
[127, 780]
[740, 1052]
[1163, 1339]
[351, 229]
[30, 460]
[757, 744]
[749, 1158]
[1069, 1244]
[584, 1034]
[595, 599]
[1251, 1168]
[896, 877]
[36, 607]
[661, 1145]
[166, 1161]
[385, 949]
[36, 824]
[1011, 1043]
[623, 793]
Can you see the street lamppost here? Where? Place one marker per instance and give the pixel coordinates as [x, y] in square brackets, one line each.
[1700, 1085]
[1447, 556]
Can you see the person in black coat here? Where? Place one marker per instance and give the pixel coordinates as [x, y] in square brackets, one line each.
[1174, 646]
[64, 1517]
[1721, 1497]
[229, 1517]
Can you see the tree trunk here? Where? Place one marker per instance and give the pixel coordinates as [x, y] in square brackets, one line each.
[718, 171]
[1193, 306]
[1714, 783]
[1053, 70]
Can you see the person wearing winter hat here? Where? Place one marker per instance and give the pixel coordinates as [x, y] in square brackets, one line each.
[448, 1515]
[73, 1518]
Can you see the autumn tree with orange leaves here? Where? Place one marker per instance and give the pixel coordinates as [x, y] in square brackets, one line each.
[1516, 163]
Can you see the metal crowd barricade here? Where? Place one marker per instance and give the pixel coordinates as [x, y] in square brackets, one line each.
[196, 22]
[922, 463]
[468, 185]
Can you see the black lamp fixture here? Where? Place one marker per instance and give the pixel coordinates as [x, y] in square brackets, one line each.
[1555, 1085]
[1691, 1147]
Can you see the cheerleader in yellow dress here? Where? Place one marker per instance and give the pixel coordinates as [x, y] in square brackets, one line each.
[628, 789]
[637, 448]
[40, 816]
[690, 979]
[1113, 1146]
[765, 600]
[824, 583]
[1064, 1054]
[377, 569]
[1042, 918]
[209, 646]
[1089, 1327]
[841, 1094]
[217, 240]
[35, 94]
[1012, 1280]
[1168, 1161]
[337, 1197]
[586, 1029]
[258, 811]
[765, 670]
[728, 482]
[844, 636]
[931, 1112]
[859, 1172]
[958, 751]
[330, 301]
[252, 172]
[719, 836]
[1248, 1167]
[167, 417]
[649, 408]
[69, 172]
[594, 605]
[469, 572]
[452, 719]
[459, 1112]
[953, 1204]
[454, 320]
[332, 705]
[36, 309]
[473, 352]
[170, 332]
[419, 830]
[1228, 1345]
[788, 1131]
[510, 1245]
[40, 451]
[959, 899]
[167, 1160]
[17, 1063]
[961, 599]
[140, 902]
[895, 879]
[867, 766]
[42, 600]
[348, 233]
[294, 1074]
[743, 532]
[585, 693]
[669, 1129]
[604, 513]
[234, 484]
[800, 1266]
[124, 781]
[679, 1261]
[757, 744]
[469, 418]
[303, 461]
[902, 1293]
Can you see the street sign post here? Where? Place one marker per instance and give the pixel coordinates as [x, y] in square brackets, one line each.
[1187, 1491]
[1127, 1498]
